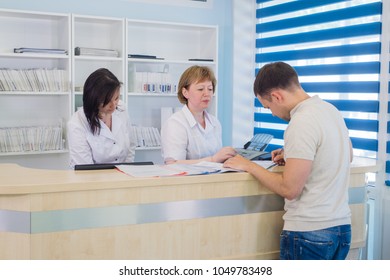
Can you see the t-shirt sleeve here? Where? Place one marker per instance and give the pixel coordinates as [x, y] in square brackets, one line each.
[301, 138]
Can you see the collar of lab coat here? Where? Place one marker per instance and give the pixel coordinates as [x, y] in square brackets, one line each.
[191, 119]
[116, 126]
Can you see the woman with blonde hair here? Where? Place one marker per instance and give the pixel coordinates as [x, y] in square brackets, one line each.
[192, 134]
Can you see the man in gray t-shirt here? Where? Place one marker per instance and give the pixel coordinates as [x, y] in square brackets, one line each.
[316, 158]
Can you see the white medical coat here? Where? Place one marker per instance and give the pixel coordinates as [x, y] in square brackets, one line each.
[107, 146]
[182, 137]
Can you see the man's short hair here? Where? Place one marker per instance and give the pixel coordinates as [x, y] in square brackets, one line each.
[275, 75]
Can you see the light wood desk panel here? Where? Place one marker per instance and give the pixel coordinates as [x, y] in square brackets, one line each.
[61, 214]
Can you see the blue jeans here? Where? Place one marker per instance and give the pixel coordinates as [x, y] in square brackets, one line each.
[326, 244]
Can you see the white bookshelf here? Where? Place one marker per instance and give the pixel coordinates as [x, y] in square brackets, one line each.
[96, 33]
[173, 45]
[25, 106]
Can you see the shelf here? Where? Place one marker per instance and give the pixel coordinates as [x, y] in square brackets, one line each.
[147, 148]
[98, 58]
[169, 61]
[96, 32]
[160, 39]
[33, 153]
[161, 74]
[34, 55]
[37, 84]
[33, 93]
[31, 15]
[147, 94]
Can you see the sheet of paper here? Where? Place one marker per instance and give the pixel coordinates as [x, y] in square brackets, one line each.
[195, 169]
[175, 169]
[216, 165]
[149, 170]
[267, 164]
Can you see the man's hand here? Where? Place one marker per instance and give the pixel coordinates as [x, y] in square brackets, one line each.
[237, 162]
[277, 156]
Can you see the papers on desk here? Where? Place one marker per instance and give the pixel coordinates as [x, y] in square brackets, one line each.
[175, 169]
[267, 164]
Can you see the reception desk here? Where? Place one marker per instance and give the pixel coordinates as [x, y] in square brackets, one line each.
[105, 214]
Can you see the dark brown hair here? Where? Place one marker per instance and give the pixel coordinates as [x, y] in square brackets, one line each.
[275, 75]
[99, 88]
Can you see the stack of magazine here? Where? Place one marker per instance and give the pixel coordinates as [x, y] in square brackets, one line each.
[34, 80]
[31, 139]
[146, 136]
[95, 52]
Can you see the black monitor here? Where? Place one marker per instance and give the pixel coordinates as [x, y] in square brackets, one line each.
[97, 166]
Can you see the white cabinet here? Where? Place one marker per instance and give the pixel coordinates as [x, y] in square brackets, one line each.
[158, 53]
[101, 41]
[35, 99]
[148, 57]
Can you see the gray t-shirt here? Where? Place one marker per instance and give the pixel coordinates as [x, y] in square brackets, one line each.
[317, 132]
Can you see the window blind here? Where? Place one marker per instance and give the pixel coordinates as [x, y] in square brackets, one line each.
[334, 46]
[387, 182]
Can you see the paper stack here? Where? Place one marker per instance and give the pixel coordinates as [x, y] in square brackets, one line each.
[34, 80]
[30, 139]
[146, 136]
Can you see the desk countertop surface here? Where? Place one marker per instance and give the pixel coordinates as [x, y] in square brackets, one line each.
[15, 179]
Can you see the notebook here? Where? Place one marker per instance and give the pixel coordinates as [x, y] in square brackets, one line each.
[97, 166]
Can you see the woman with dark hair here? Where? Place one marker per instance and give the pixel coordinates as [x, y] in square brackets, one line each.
[99, 132]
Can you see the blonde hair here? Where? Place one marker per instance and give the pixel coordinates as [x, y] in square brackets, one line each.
[193, 75]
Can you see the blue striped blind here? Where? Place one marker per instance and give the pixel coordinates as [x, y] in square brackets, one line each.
[334, 45]
[387, 182]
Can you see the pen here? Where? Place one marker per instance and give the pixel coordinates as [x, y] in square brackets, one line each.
[272, 165]
[280, 151]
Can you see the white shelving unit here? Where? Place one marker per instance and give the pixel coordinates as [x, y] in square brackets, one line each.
[96, 33]
[173, 45]
[23, 107]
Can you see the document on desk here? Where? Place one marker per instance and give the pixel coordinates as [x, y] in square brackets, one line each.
[175, 169]
[267, 164]
[215, 165]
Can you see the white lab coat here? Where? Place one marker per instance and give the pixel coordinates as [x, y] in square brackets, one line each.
[182, 137]
[109, 146]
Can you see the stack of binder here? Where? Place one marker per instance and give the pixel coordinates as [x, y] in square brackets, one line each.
[40, 50]
[96, 52]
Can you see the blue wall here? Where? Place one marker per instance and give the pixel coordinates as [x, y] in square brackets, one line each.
[220, 13]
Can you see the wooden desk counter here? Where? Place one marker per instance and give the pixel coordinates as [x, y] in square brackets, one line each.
[105, 214]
